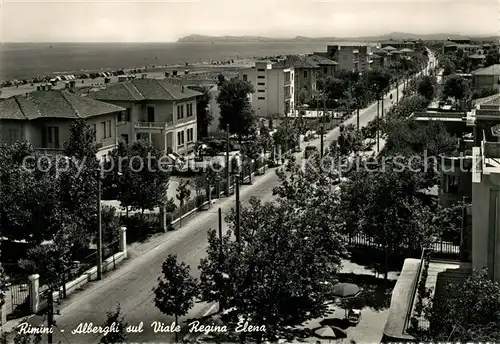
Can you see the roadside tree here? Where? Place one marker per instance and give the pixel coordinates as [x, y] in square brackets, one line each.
[183, 194]
[176, 289]
[203, 116]
[235, 108]
[120, 336]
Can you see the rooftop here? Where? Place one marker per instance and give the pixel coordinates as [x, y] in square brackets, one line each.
[322, 61]
[406, 50]
[144, 89]
[477, 56]
[296, 61]
[389, 48]
[53, 104]
[491, 70]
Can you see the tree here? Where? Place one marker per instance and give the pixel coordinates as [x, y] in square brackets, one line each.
[266, 142]
[466, 311]
[221, 79]
[142, 181]
[457, 87]
[492, 57]
[235, 108]
[389, 208]
[118, 336]
[29, 196]
[22, 338]
[183, 194]
[447, 65]
[350, 140]
[176, 289]
[203, 116]
[378, 81]
[407, 106]
[427, 87]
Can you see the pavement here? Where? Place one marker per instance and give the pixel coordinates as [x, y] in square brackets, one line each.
[131, 285]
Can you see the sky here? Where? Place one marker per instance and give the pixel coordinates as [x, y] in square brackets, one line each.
[167, 21]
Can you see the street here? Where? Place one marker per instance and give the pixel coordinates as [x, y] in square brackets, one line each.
[131, 285]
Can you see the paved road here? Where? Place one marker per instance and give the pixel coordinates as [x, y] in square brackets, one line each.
[132, 284]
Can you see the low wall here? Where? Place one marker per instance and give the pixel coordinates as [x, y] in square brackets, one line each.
[86, 277]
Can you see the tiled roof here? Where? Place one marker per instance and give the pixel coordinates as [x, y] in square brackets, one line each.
[406, 50]
[492, 102]
[491, 70]
[53, 104]
[144, 89]
[389, 48]
[322, 61]
[296, 62]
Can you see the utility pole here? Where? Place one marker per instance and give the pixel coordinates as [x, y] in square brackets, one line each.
[227, 160]
[378, 123]
[221, 257]
[99, 227]
[238, 234]
[50, 315]
[397, 89]
[323, 127]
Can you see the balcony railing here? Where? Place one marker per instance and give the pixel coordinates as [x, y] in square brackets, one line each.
[50, 151]
[154, 125]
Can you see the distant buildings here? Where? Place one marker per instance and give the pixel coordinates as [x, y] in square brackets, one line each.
[43, 118]
[157, 111]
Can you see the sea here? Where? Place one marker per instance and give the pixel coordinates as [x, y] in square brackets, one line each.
[28, 60]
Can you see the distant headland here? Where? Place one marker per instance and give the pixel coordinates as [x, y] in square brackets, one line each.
[394, 36]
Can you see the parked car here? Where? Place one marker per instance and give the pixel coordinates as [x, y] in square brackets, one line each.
[310, 150]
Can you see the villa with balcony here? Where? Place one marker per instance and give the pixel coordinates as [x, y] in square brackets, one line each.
[43, 118]
[157, 111]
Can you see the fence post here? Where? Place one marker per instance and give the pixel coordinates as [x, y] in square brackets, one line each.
[34, 293]
[163, 217]
[123, 240]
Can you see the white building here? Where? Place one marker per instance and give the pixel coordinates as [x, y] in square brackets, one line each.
[157, 111]
[274, 91]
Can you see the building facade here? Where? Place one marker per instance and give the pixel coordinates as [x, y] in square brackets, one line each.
[274, 88]
[486, 77]
[354, 57]
[43, 118]
[157, 111]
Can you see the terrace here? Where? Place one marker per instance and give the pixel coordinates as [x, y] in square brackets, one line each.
[419, 280]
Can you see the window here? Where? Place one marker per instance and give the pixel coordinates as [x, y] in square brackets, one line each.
[124, 116]
[109, 128]
[305, 74]
[261, 91]
[245, 77]
[261, 77]
[51, 137]
[261, 84]
[190, 135]
[261, 70]
[261, 98]
[94, 129]
[180, 111]
[325, 70]
[151, 113]
[189, 110]
[305, 88]
[180, 138]
[14, 136]
[103, 125]
[450, 183]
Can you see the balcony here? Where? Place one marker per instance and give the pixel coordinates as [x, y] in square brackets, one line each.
[50, 151]
[153, 127]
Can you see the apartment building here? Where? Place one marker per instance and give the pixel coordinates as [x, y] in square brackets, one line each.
[355, 57]
[157, 111]
[44, 117]
[327, 67]
[274, 88]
